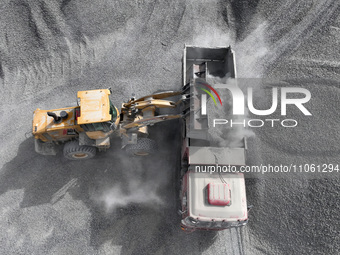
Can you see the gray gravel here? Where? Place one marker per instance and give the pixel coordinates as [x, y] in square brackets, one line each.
[116, 205]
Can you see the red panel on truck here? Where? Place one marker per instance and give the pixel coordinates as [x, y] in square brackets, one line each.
[218, 194]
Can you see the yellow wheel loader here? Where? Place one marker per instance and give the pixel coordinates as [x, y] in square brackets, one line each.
[86, 128]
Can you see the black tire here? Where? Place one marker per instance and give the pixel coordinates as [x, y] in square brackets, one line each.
[143, 147]
[74, 151]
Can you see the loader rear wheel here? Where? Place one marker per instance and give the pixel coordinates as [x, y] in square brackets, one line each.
[143, 147]
[74, 151]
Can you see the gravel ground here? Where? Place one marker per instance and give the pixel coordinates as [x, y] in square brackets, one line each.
[116, 205]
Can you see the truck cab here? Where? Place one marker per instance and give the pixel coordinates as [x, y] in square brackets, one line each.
[208, 203]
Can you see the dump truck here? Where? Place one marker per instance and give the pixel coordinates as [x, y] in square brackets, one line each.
[209, 200]
[84, 129]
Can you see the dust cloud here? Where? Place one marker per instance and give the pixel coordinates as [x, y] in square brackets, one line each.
[136, 193]
[250, 53]
[137, 180]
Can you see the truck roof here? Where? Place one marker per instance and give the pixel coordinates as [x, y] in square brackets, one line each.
[227, 207]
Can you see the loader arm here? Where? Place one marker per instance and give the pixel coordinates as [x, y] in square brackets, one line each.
[138, 115]
[155, 97]
[150, 121]
[158, 103]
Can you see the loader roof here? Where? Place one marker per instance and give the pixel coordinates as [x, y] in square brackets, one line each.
[94, 106]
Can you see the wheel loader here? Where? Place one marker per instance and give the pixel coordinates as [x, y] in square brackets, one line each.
[87, 127]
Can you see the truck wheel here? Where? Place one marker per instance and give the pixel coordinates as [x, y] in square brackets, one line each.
[74, 151]
[143, 147]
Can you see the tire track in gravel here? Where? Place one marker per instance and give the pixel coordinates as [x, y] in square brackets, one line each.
[315, 19]
[282, 34]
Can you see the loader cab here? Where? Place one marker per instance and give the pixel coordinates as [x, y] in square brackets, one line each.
[102, 126]
[97, 113]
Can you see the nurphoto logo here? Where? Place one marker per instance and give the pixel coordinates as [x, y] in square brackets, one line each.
[239, 99]
[204, 96]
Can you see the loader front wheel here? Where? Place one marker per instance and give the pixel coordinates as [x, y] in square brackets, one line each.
[74, 151]
[143, 147]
